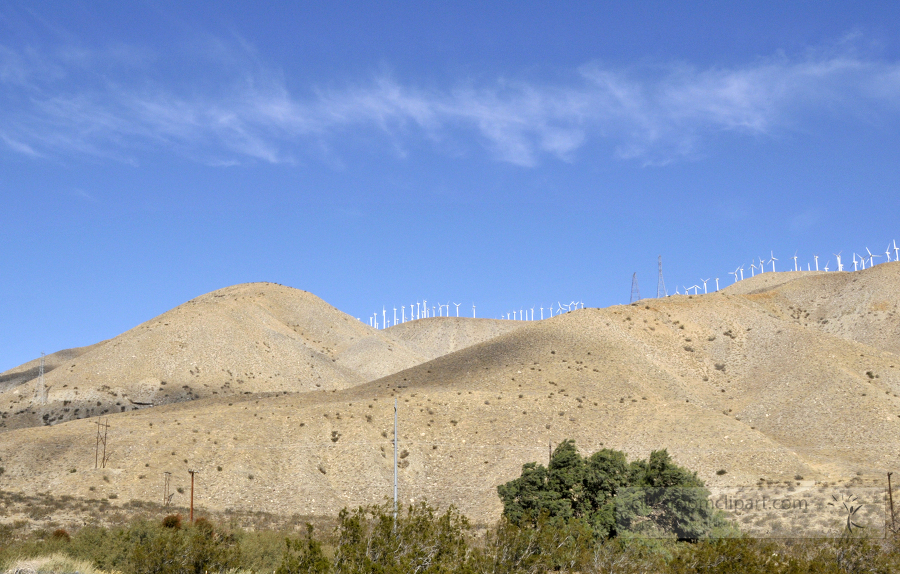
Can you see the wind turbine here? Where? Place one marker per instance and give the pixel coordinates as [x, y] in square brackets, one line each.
[855, 267]
[542, 313]
[383, 317]
[457, 308]
[532, 313]
[696, 288]
[752, 268]
[838, 257]
[704, 285]
[896, 252]
[826, 266]
[473, 310]
[872, 258]
[887, 253]
[395, 315]
[773, 260]
[762, 263]
[732, 273]
[403, 313]
[717, 283]
[795, 261]
[741, 268]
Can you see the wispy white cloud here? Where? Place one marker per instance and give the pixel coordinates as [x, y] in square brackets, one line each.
[649, 114]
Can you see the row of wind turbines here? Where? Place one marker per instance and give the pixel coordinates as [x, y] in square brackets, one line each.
[859, 263]
[423, 311]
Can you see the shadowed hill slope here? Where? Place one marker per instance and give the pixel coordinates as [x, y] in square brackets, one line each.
[30, 370]
[726, 381]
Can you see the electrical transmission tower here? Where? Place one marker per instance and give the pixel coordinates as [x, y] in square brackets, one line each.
[635, 292]
[167, 497]
[100, 461]
[661, 284]
[40, 391]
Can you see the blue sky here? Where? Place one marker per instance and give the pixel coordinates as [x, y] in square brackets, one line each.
[510, 154]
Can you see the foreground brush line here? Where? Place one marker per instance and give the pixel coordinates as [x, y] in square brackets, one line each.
[421, 539]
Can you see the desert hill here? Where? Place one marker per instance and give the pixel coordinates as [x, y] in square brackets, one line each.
[860, 306]
[247, 339]
[734, 384]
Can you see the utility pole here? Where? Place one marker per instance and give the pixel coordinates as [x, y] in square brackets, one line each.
[635, 292]
[891, 499]
[192, 494]
[166, 496]
[661, 284]
[395, 460]
[101, 439]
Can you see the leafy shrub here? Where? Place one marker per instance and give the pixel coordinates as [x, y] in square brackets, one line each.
[172, 521]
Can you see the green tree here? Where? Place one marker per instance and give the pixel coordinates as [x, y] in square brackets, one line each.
[609, 494]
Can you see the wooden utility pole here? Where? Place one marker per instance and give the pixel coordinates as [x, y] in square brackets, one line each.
[891, 500]
[192, 494]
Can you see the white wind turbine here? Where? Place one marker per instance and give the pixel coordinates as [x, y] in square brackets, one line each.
[741, 268]
[795, 261]
[395, 315]
[773, 260]
[383, 317]
[887, 253]
[762, 263]
[717, 283]
[403, 313]
[837, 256]
[473, 310]
[827, 263]
[704, 285]
[816, 257]
[872, 258]
[855, 266]
[730, 273]
[457, 308]
[532, 313]
[696, 288]
[542, 313]
[896, 252]
[752, 268]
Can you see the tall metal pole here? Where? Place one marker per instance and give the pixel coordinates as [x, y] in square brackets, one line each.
[395, 459]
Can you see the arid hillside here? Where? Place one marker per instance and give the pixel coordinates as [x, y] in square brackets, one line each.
[247, 339]
[741, 385]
